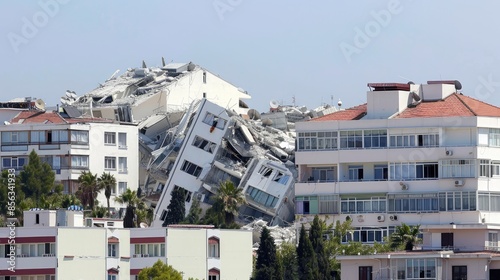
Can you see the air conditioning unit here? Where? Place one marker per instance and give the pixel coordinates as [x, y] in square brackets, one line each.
[48, 255]
[449, 153]
[137, 256]
[348, 218]
[303, 220]
[393, 217]
[459, 183]
[404, 186]
[380, 218]
[360, 218]
[145, 255]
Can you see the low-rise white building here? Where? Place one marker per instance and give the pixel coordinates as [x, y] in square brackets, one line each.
[105, 250]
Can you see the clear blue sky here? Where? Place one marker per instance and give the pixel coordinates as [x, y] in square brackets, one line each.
[312, 50]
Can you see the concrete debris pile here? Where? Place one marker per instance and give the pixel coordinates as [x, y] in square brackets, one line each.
[280, 234]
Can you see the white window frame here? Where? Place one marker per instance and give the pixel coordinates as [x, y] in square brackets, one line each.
[109, 138]
[109, 163]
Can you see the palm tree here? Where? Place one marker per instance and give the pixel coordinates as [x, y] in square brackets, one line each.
[89, 188]
[405, 237]
[133, 202]
[107, 181]
[231, 198]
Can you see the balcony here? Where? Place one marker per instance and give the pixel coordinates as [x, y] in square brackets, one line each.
[26, 262]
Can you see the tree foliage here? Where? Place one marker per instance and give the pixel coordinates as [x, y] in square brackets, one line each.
[316, 232]
[160, 271]
[287, 257]
[37, 178]
[107, 181]
[267, 265]
[231, 198]
[405, 237]
[176, 210]
[307, 262]
[88, 190]
[133, 203]
[194, 214]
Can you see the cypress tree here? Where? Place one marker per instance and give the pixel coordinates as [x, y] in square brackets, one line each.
[176, 210]
[308, 265]
[318, 244]
[267, 266]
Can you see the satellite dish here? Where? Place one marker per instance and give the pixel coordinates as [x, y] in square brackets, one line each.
[40, 105]
[274, 104]
[143, 225]
[253, 114]
[458, 85]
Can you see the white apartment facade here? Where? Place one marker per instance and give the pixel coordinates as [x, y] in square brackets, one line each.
[44, 251]
[415, 154]
[73, 145]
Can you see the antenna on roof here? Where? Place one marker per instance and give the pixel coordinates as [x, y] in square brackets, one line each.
[163, 61]
[144, 64]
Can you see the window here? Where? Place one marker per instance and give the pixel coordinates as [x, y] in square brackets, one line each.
[381, 172]
[112, 250]
[149, 250]
[459, 201]
[321, 140]
[306, 204]
[109, 138]
[328, 204]
[458, 168]
[110, 163]
[191, 168]
[14, 162]
[323, 174]
[187, 194]
[112, 277]
[265, 171]
[459, 272]
[413, 171]
[363, 205]
[414, 140]
[204, 77]
[365, 273]
[413, 203]
[262, 197]
[213, 248]
[122, 164]
[122, 140]
[213, 277]
[484, 168]
[214, 121]
[37, 219]
[14, 137]
[351, 139]
[80, 137]
[281, 178]
[355, 173]
[204, 144]
[122, 187]
[447, 239]
[375, 138]
[80, 161]
[366, 235]
[494, 137]
[163, 215]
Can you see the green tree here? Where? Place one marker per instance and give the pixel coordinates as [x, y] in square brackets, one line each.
[69, 199]
[287, 256]
[160, 271]
[107, 181]
[176, 210]
[37, 178]
[405, 237]
[308, 264]
[267, 265]
[130, 199]
[88, 190]
[193, 216]
[316, 236]
[231, 198]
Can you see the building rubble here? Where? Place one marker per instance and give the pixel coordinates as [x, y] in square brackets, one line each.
[279, 234]
[196, 131]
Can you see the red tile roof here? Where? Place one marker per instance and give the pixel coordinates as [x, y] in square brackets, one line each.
[25, 117]
[455, 105]
[353, 113]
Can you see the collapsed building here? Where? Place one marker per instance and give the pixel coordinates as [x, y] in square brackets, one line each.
[196, 131]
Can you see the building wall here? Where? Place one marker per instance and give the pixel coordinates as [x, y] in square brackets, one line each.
[81, 253]
[189, 255]
[235, 255]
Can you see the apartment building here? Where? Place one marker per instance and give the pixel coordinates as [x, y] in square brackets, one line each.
[105, 250]
[416, 154]
[72, 145]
